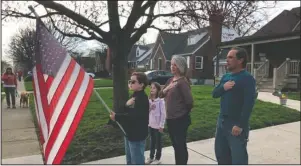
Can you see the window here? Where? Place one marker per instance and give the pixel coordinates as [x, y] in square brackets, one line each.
[151, 64]
[137, 53]
[168, 65]
[188, 61]
[131, 65]
[198, 62]
[160, 64]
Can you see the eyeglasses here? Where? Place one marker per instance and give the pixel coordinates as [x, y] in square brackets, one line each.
[132, 81]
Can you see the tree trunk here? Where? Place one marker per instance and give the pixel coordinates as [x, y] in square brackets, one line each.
[119, 61]
[120, 77]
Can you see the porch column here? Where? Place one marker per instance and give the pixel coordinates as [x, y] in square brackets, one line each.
[252, 58]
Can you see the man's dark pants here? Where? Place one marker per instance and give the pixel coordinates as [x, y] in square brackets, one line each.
[230, 149]
[177, 129]
[10, 92]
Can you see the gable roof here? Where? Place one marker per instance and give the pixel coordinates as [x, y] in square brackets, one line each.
[144, 57]
[132, 55]
[286, 24]
[177, 43]
[283, 23]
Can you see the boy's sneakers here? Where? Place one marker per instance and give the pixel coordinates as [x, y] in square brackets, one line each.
[156, 162]
[149, 161]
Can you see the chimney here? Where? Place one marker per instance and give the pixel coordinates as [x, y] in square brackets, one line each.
[215, 20]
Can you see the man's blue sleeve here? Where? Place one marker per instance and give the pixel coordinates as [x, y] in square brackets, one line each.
[219, 89]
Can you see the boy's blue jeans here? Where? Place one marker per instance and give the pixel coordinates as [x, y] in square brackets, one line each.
[230, 149]
[134, 152]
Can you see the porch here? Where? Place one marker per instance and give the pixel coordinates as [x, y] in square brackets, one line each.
[286, 76]
[274, 61]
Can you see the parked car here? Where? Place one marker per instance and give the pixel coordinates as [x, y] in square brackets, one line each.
[91, 75]
[159, 76]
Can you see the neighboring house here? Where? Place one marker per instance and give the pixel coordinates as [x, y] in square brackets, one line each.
[100, 60]
[91, 60]
[195, 46]
[139, 55]
[88, 63]
[274, 51]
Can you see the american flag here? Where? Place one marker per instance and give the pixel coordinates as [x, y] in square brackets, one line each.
[62, 90]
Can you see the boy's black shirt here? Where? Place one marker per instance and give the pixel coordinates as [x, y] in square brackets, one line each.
[135, 120]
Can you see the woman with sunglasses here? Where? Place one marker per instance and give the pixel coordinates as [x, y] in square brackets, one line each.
[135, 120]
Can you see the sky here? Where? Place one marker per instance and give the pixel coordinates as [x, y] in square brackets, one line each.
[12, 27]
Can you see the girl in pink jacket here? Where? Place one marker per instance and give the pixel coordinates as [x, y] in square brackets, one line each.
[157, 117]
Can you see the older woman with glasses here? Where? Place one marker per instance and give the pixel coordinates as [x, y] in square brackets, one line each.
[179, 102]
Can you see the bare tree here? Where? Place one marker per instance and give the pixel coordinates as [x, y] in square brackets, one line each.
[4, 65]
[244, 16]
[21, 47]
[88, 20]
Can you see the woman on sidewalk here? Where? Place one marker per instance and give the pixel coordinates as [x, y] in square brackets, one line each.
[179, 102]
[10, 85]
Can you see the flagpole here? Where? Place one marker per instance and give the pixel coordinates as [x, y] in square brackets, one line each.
[108, 109]
[38, 17]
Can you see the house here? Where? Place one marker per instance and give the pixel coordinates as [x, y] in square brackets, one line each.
[91, 60]
[274, 52]
[139, 55]
[137, 58]
[195, 46]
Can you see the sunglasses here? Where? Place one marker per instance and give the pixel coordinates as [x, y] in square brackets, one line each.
[132, 81]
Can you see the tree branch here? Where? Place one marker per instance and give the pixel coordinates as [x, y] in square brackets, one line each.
[11, 13]
[76, 17]
[160, 29]
[69, 34]
[114, 21]
[143, 27]
[134, 17]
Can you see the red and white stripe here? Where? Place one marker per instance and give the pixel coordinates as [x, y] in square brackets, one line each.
[39, 104]
[67, 97]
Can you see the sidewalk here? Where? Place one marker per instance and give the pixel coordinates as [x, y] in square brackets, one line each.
[19, 140]
[269, 97]
[272, 145]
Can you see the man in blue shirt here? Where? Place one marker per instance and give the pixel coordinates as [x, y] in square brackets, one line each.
[238, 93]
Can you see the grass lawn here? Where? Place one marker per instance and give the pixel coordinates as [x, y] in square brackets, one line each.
[294, 95]
[28, 86]
[97, 83]
[2, 98]
[103, 83]
[94, 141]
